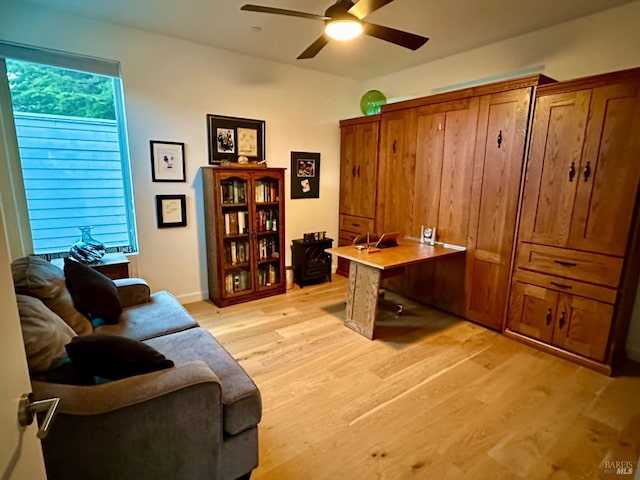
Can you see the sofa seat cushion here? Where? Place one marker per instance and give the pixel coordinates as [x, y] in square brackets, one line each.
[163, 314]
[41, 279]
[241, 402]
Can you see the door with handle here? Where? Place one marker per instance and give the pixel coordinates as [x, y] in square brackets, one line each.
[553, 167]
[607, 178]
[20, 451]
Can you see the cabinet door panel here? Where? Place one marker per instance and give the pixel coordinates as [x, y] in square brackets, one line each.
[457, 171]
[429, 152]
[532, 311]
[608, 176]
[348, 162]
[366, 170]
[396, 172]
[582, 326]
[556, 148]
[502, 124]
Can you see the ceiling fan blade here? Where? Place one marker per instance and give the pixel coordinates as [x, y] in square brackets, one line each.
[314, 48]
[281, 11]
[364, 7]
[404, 39]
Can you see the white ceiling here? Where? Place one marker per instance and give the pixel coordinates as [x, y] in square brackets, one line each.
[453, 26]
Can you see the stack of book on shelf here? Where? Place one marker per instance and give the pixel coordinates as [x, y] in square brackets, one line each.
[266, 191]
[236, 222]
[267, 221]
[236, 252]
[267, 275]
[267, 248]
[236, 281]
[234, 191]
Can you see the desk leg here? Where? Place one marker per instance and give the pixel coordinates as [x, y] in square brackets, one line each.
[362, 299]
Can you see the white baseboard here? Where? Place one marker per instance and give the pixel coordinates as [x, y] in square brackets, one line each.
[192, 297]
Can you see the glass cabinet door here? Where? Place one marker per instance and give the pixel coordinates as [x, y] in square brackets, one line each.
[266, 224]
[235, 230]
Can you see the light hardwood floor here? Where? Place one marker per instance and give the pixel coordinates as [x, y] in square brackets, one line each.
[431, 397]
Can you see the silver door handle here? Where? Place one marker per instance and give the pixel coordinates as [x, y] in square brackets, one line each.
[27, 409]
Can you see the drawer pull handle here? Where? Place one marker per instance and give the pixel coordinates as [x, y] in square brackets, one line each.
[358, 171]
[499, 138]
[549, 316]
[572, 171]
[353, 171]
[355, 224]
[561, 285]
[561, 320]
[587, 171]
[565, 264]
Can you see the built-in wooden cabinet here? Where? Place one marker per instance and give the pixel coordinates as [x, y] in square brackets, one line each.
[550, 167]
[244, 225]
[359, 140]
[455, 161]
[576, 269]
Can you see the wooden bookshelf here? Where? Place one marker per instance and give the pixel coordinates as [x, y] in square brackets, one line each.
[244, 224]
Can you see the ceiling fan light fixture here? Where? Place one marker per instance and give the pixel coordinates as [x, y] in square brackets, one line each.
[343, 29]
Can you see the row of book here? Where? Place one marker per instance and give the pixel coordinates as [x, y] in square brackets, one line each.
[267, 221]
[236, 223]
[267, 275]
[234, 191]
[266, 191]
[268, 248]
[236, 252]
[237, 281]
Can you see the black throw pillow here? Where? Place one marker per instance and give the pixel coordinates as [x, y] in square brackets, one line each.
[114, 357]
[94, 294]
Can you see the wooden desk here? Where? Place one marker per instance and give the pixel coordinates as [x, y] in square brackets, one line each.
[366, 270]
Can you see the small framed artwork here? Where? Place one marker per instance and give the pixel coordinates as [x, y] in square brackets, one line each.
[231, 138]
[171, 210]
[305, 175]
[167, 161]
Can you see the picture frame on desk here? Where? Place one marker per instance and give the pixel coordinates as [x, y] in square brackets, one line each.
[305, 175]
[171, 211]
[167, 161]
[230, 138]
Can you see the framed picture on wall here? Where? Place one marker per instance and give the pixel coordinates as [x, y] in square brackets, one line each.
[171, 211]
[167, 161]
[231, 138]
[305, 175]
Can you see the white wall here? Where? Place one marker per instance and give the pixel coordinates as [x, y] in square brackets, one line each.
[590, 45]
[170, 85]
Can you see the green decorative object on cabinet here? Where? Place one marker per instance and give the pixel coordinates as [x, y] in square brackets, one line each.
[371, 102]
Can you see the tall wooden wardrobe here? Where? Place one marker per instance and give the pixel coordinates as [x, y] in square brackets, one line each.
[457, 161]
[577, 258]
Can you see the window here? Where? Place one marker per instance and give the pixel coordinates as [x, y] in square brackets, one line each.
[71, 138]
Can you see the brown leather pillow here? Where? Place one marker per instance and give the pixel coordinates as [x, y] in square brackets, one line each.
[94, 294]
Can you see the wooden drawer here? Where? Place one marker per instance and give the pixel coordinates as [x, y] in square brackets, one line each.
[356, 224]
[346, 238]
[566, 285]
[571, 264]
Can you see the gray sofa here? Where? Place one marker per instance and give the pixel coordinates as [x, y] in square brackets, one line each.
[195, 420]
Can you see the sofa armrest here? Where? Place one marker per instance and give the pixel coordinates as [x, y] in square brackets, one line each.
[165, 424]
[132, 291]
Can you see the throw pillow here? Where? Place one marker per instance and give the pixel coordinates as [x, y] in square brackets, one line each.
[39, 278]
[114, 357]
[94, 294]
[44, 334]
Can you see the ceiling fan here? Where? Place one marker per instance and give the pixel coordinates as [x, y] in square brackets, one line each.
[344, 21]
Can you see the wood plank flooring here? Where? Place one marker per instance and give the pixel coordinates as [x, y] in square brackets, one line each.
[431, 397]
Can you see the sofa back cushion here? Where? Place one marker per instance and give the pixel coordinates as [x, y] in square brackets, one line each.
[44, 333]
[94, 294]
[38, 278]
